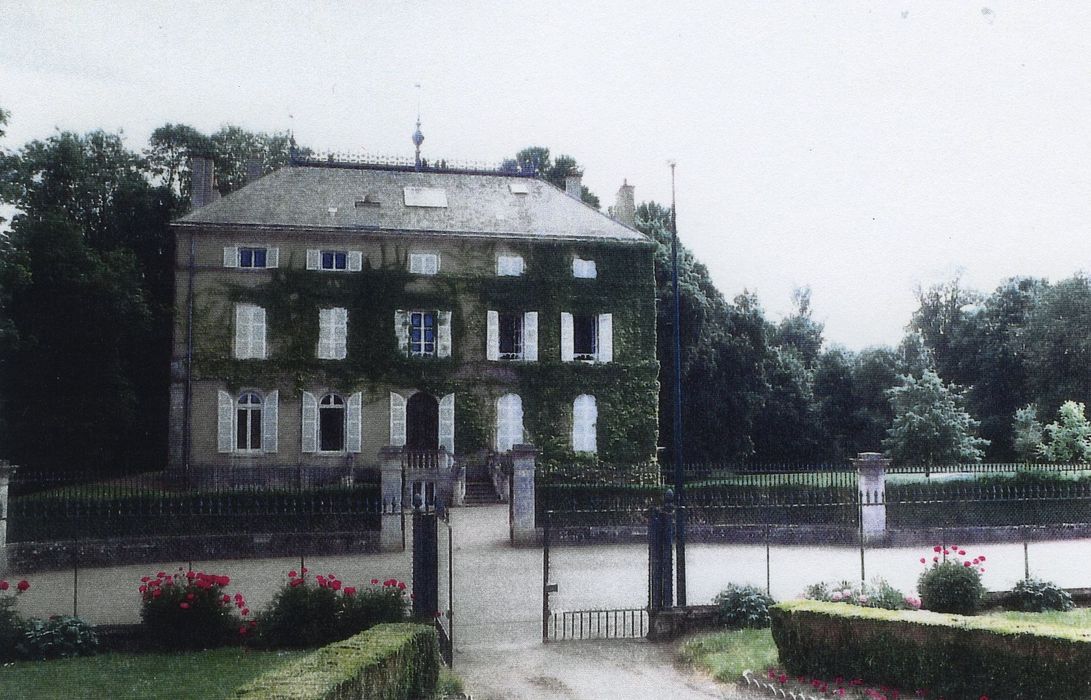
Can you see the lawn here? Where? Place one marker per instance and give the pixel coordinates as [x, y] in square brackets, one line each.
[1080, 617]
[204, 675]
[725, 655]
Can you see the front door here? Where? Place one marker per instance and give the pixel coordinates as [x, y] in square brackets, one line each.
[422, 422]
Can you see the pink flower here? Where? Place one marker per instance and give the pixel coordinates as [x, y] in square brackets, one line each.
[922, 560]
[982, 557]
[23, 585]
[937, 548]
[962, 552]
[184, 606]
[967, 564]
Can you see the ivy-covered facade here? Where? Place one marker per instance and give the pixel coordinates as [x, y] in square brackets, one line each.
[326, 312]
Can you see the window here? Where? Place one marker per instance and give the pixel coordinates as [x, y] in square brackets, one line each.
[509, 265]
[334, 260]
[424, 263]
[249, 332]
[509, 422]
[333, 334]
[248, 423]
[252, 257]
[426, 491]
[584, 269]
[422, 334]
[331, 423]
[584, 419]
[585, 340]
[587, 337]
[511, 336]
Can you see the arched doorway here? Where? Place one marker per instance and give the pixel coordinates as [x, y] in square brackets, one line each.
[422, 422]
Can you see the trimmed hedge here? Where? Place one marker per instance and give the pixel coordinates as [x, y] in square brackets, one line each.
[397, 661]
[948, 655]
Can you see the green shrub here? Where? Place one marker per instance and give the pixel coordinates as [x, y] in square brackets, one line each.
[744, 607]
[387, 662]
[877, 594]
[59, 637]
[1034, 595]
[309, 611]
[190, 610]
[947, 656]
[951, 587]
[12, 625]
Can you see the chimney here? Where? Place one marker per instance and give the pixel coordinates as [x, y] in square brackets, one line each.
[201, 184]
[253, 169]
[573, 185]
[625, 208]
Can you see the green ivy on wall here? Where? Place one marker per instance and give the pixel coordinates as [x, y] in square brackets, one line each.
[626, 390]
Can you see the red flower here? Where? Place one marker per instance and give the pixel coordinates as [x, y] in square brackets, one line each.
[292, 574]
[23, 585]
[335, 585]
[937, 548]
[143, 589]
[156, 593]
[922, 560]
[935, 559]
[982, 557]
[350, 591]
[190, 575]
[4, 585]
[242, 630]
[374, 581]
[962, 552]
[184, 606]
[967, 564]
[245, 612]
[303, 569]
[226, 598]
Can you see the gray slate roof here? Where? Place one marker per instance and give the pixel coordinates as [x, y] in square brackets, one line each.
[478, 204]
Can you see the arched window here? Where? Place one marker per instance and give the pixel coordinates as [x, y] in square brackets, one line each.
[248, 423]
[509, 422]
[585, 414]
[331, 423]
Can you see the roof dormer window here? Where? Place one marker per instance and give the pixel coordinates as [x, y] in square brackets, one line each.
[431, 197]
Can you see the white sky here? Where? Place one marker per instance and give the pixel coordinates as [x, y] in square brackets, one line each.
[860, 148]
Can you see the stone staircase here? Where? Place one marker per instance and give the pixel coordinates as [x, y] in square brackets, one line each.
[479, 488]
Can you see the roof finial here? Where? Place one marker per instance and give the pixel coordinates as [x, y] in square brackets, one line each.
[418, 137]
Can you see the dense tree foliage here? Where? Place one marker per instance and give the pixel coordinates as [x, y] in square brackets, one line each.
[552, 170]
[87, 291]
[931, 426]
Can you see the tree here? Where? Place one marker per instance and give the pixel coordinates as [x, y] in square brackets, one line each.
[537, 159]
[1058, 346]
[1027, 433]
[799, 330]
[169, 149]
[1069, 436]
[930, 424]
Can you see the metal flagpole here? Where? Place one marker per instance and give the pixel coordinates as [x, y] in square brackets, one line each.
[679, 476]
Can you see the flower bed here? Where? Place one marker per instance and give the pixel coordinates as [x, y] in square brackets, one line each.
[947, 655]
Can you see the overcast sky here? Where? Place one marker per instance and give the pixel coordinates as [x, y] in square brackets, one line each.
[859, 148]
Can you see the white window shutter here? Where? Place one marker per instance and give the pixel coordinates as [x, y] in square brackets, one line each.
[340, 333]
[272, 257]
[231, 256]
[269, 417]
[314, 259]
[353, 422]
[401, 330]
[584, 424]
[606, 338]
[242, 332]
[530, 336]
[225, 425]
[492, 335]
[447, 423]
[258, 326]
[310, 422]
[509, 422]
[325, 334]
[568, 343]
[443, 334]
[397, 420]
[356, 261]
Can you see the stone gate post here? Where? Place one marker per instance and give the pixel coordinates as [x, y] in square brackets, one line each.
[391, 493]
[871, 480]
[6, 472]
[523, 461]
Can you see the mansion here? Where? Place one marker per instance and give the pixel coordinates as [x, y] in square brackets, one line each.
[331, 309]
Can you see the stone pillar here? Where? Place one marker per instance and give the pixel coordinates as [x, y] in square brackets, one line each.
[871, 480]
[6, 472]
[392, 493]
[523, 458]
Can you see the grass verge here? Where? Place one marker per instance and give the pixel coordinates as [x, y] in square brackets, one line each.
[725, 655]
[203, 675]
[1080, 617]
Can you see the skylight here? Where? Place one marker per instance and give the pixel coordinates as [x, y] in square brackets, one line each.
[426, 197]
